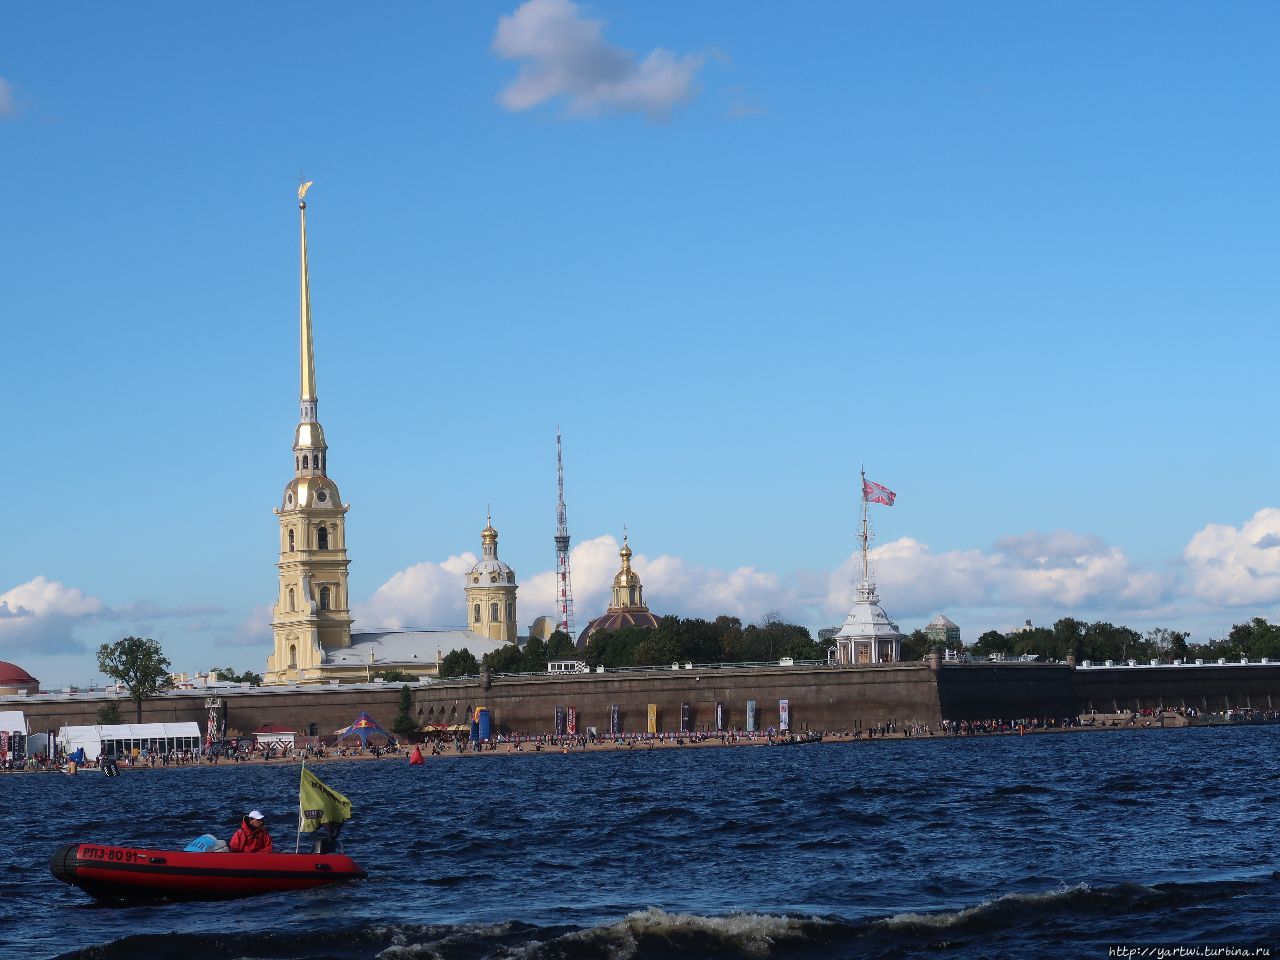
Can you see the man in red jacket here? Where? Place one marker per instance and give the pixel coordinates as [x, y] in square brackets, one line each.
[252, 837]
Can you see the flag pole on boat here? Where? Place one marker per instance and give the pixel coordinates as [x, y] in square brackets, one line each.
[297, 842]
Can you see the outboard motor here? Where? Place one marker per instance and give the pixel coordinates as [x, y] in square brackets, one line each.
[327, 842]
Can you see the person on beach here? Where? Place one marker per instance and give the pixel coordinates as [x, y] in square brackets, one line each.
[252, 837]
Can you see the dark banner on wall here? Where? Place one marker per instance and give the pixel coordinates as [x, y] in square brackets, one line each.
[615, 720]
[571, 725]
[4, 745]
[684, 718]
[559, 721]
[719, 714]
[751, 715]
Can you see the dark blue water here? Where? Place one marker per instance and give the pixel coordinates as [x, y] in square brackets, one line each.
[1036, 846]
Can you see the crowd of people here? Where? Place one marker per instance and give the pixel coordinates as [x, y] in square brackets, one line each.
[246, 750]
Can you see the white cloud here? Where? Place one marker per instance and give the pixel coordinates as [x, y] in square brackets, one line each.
[8, 107]
[1231, 566]
[1033, 572]
[41, 614]
[424, 595]
[564, 54]
[254, 630]
[1041, 575]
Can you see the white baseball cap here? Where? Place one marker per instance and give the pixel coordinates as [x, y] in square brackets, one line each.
[256, 815]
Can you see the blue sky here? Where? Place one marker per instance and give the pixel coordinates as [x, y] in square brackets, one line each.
[1018, 259]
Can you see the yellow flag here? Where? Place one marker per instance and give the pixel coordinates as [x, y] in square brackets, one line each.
[319, 804]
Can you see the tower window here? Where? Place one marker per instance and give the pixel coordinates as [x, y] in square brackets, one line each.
[291, 541]
[304, 461]
[322, 538]
[475, 615]
[511, 611]
[293, 657]
[632, 591]
[292, 601]
[324, 598]
[493, 613]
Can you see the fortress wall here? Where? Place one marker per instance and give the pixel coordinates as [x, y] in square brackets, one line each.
[829, 698]
[1008, 691]
[1212, 687]
[823, 699]
[820, 699]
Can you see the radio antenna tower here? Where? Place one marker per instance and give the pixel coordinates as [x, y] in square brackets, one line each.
[564, 582]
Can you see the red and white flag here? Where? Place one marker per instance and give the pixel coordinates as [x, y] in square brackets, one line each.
[875, 493]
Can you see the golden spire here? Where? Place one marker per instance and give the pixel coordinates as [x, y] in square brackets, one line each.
[308, 354]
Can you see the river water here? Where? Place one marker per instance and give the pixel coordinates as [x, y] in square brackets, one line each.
[1036, 846]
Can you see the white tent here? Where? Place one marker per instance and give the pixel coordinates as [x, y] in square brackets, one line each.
[13, 721]
[121, 739]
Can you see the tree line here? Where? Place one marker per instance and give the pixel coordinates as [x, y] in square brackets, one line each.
[1103, 641]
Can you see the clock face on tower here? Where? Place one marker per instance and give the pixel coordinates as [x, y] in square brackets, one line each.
[322, 496]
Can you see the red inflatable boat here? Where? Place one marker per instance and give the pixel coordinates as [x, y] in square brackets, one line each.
[130, 874]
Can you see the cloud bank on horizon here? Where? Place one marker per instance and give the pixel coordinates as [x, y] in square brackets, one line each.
[1224, 570]
[45, 616]
[563, 54]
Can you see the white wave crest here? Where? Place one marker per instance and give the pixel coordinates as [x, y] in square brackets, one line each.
[750, 934]
[946, 919]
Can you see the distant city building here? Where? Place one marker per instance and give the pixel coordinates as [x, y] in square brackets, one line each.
[827, 634]
[942, 630]
[15, 680]
[1024, 628]
[542, 628]
[628, 608]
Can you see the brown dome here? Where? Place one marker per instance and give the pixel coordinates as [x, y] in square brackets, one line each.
[12, 675]
[616, 620]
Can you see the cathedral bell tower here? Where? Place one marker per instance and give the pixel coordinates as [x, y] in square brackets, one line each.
[490, 588]
[312, 613]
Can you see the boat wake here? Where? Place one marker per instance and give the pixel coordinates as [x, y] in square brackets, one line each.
[1054, 923]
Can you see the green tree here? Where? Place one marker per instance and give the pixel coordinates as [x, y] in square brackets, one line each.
[1167, 644]
[534, 657]
[231, 676]
[403, 723]
[109, 713]
[396, 676]
[1254, 640]
[993, 641]
[460, 663]
[506, 659]
[140, 664]
[561, 646]
[916, 645]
